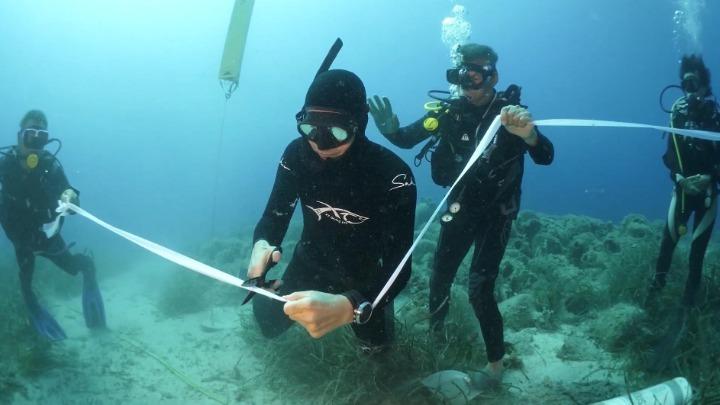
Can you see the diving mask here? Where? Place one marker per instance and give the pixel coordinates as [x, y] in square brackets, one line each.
[328, 128]
[33, 138]
[690, 83]
[462, 76]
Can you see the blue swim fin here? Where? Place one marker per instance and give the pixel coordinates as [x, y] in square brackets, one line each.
[45, 324]
[92, 302]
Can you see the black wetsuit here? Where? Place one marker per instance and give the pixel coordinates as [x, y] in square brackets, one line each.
[489, 198]
[358, 217]
[27, 201]
[688, 156]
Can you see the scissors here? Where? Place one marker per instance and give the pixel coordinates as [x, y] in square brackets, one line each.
[259, 281]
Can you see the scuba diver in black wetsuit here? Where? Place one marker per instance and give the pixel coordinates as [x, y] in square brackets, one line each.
[358, 204]
[695, 170]
[32, 181]
[484, 204]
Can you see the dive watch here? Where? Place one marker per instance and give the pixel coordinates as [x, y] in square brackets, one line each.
[362, 308]
[362, 313]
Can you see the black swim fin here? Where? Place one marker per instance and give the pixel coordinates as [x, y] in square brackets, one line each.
[664, 352]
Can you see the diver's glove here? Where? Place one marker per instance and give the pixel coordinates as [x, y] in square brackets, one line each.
[70, 196]
[693, 185]
[702, 181]
[382, 113]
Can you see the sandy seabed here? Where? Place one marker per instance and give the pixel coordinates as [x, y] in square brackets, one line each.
[570, 290]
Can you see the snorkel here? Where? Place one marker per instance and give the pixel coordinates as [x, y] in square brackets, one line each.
[335, 109]
[324, 67]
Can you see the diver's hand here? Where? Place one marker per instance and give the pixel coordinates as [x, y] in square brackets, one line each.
[382, 113]
[318, 312]
[261, 255]
[684, 184]
[69, 196]
[700, 181]
[518, 121]
[693, 185]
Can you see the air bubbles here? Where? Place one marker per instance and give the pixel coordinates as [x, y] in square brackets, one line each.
[456, 31]
[687, 21]
[455, 28]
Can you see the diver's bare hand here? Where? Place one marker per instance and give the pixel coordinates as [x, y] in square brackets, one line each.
[693, 185]
[261, 255]
[70, 196]
[518, 121]
[700, 182]
[318, 312]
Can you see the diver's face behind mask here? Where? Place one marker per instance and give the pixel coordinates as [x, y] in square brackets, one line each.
[690, 83]
[32, 140]
[694, 90]
[471, 76]
[329, 132]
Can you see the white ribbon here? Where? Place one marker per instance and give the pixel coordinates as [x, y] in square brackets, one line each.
[693, 133]
[166, 253]
[486, 139]
[51, 229]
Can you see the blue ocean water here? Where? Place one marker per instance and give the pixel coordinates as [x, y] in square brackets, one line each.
[131, 90]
